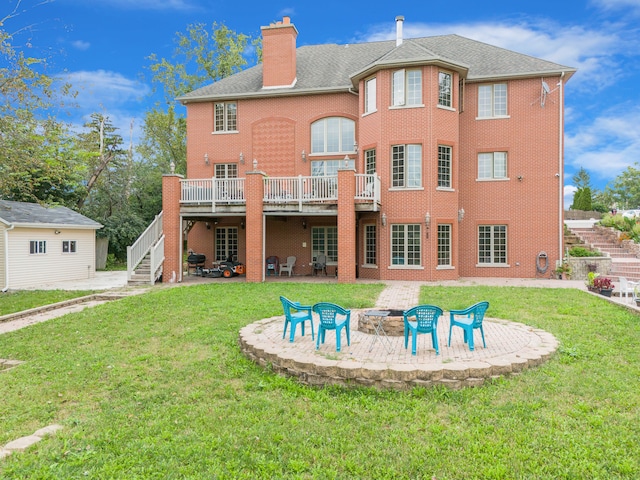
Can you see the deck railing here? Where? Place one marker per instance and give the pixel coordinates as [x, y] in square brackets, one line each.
[140, 248]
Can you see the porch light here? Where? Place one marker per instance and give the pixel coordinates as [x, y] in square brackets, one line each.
[242, 224]
[241, 158]
[384, 219]
[304, 156]
[460, 214]
[427, 220]
[172, 167]
[355, 147]
[255, 164]
[206, 159]
[304, 224]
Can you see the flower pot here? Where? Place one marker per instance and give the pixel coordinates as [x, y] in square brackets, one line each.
[606, 291]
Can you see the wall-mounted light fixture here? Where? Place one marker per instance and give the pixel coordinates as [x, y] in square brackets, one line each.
[208, 225]
[383, 218]
[206, 159]
[304, 156]
[460, 214]
[520, 177]
[355, 147]
[242, 158]
[304, 223]
[255, 164]
[242, 224]
[346, 161]
[57, 232]
[427, 220]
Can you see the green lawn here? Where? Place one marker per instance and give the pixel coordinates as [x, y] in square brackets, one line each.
[11, 302]
[154, 386]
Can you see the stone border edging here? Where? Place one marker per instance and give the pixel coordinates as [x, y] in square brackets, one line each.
[21, 444]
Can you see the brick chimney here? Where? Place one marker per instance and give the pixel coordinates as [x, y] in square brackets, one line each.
[279, 54]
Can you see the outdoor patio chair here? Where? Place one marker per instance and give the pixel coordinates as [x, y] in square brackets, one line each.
[627, 288]
[273, 264]
[301, 314]
[332, 317]
[470, 320]
[288, 267]
[426, 321]
[320, 264]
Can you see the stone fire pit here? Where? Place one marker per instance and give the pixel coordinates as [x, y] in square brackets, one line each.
[393, 324]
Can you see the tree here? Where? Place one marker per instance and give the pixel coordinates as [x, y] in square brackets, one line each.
[582, 198]
[581, 179]
[625, 189]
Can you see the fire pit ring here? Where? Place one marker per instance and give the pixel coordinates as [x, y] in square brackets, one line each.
[393, 324]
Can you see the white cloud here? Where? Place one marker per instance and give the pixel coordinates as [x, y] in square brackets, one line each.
[179, 5]
[80, 45]
[569, 191]
[617, 4]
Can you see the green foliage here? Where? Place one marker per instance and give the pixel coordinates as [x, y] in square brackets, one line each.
[629, 226]
[18, 301]
[122, 228]
[155, 386]
[583, 252]
[582, 199]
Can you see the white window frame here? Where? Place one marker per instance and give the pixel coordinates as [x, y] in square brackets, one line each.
[225, 117]
[324, 240]
[225, 170]
[444, 245]
[69, 247]
[492, 166]
[406, 245]
[333, 135]
[370, 247]
[406, 88]
[445, 89]
[406, 166]
[226, 242]
[370, 94]
[370, 161]
[492, 245]
[445, 155]
[37, 247]
[492, 101]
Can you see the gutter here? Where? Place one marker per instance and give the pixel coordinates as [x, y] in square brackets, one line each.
[561, 165]
[6, 258]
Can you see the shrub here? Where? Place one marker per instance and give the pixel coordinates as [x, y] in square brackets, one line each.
[583, 252]
[603, 283]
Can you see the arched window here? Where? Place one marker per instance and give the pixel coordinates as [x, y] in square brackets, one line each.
[333, 135]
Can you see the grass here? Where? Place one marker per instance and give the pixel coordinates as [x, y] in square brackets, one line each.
[17, 301]
[154, 386]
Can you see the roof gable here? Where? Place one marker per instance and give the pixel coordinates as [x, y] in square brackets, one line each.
[32, 214]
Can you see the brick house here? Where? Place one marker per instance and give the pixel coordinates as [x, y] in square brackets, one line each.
[416, 159]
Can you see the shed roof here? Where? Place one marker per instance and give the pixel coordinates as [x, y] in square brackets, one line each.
[34, 215]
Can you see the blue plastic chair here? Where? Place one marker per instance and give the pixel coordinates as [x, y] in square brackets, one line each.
[471, 319]
[426, 321]
[301, 314]
[329, 314]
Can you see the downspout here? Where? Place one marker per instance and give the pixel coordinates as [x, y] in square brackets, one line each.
[561, 166]
[6, 258]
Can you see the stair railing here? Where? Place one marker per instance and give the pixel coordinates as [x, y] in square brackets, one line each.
[142, 246]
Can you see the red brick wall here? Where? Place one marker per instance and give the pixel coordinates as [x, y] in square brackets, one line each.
[171, 227]
[279, 54]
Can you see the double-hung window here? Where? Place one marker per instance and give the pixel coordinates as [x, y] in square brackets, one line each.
[492, 100]
[492, 244]
[492, 165]
[370, 245]
[370, 161]
[226, 170]
[370, 95]
[444, 89]
[225, 117]
[69, 246]
[407, 88]
[226, 243]
[444, 245]
[406, 166]
[444, 166]
[333, 135]
[37, 247]
[405, 244]
[324, 240]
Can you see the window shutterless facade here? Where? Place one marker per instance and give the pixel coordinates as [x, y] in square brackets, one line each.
[370, 245]
[407, 88]
[333, 135]
[492, 245]
[225, 117]
[226, 170]
[444, 166]
[69, 246]
[370, 89]
[492, 100]
[444, 89]
[226, 242]
[492, 165]
[324, 240]
[37, 247]
[406, 166]
[405, 244]
[444, 245]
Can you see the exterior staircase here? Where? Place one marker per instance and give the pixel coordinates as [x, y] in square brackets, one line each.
[623, 263]
[146, 256]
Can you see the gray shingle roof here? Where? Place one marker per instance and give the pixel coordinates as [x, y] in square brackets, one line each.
[32, 214]
[331, 67]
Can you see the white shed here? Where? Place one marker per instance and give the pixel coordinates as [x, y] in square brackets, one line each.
[40, 244]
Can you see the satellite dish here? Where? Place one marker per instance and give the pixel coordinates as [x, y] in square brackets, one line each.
[545, 87]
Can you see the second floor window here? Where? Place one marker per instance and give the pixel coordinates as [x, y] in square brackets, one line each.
[370, 95]
[328, 168]
[225, 117]
[226, 170]
[370, 161]
[333, 135]
[492, 100]
[444, 89]
[444, 166]
[406, 166]
[407, 87]
[492, 165]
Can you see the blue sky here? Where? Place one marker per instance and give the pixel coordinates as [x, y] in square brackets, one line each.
[101, 46]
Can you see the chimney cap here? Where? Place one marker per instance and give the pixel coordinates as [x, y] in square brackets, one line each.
[399, 18]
